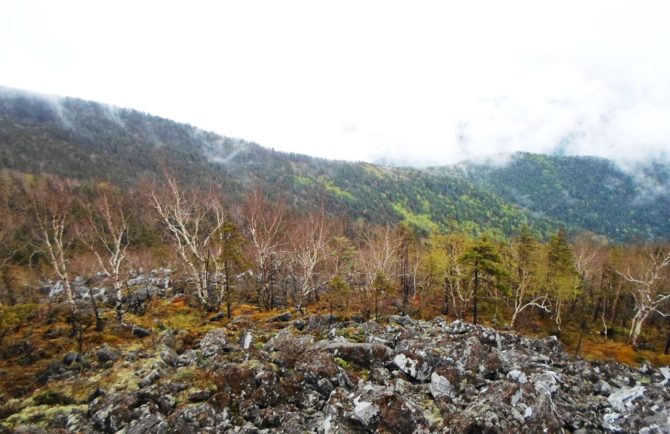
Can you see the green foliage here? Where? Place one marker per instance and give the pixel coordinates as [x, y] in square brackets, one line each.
[337, 191]
[342, 363]
[85, 140]
[12, 316]
[52, 397]
[483, 258]
[583, 193]
[422, 222]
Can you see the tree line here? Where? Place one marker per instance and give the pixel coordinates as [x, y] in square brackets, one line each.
[252, 250]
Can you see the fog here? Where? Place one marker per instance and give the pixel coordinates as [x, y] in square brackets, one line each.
[399, 83]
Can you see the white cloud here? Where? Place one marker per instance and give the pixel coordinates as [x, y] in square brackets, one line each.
[422, 82]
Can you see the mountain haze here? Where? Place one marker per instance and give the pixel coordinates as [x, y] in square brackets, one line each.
[87, 140]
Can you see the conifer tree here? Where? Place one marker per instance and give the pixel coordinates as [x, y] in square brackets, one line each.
[485, 265]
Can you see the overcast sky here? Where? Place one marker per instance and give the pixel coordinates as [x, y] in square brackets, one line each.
[417, 81]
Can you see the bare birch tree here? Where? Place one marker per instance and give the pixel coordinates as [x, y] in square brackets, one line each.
[527, 289]
[648, 279]
[379, 259]
[51, 201]
[309, 242]
[194, 220]
[106, 235]
[264, 224]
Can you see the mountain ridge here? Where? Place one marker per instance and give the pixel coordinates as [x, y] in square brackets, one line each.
[82, 139]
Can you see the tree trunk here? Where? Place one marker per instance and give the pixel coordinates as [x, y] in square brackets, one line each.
[636, 327]
[512, 323]
[118, 305]
[582, 329]
[445, 306]
[99, 326]
[474, 306]
[11, 298]
[226, 286]
[615, 305]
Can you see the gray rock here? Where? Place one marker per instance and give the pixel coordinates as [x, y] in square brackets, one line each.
[517, 376]
[284, 317]
[246, 340]
[363, 354]
[107, 354]
[413, 365]
[440, 386]
[71, 358]
[214, 342]
[168, 355]
[401, 320]
[139, 332]
[150, 378]
[299, 324]
[624, 400]
[113, 412]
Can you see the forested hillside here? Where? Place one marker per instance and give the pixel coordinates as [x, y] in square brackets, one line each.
[586, 192]
[85, 140]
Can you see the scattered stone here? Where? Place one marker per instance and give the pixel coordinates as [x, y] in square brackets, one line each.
[517, 376]
[107, 354]
[624, 399]
[299, 324]
[71, 358]
[408, 376]
[246, 340]
[413, 365]
[218, 317]
[214, 342]
[150, 378]
[401, 320]
[199, 396]
[440, 386]
[284, 317]
[113, 412]
[139, 332]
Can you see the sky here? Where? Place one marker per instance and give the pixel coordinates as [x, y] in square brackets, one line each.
[413, 82]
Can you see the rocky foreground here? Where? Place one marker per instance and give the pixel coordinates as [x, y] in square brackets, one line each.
[318, 375]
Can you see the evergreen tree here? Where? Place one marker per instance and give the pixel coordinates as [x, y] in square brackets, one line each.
[561, 273]
[485, 264]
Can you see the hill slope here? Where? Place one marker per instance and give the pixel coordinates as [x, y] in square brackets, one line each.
[85, 140]
[587, 192]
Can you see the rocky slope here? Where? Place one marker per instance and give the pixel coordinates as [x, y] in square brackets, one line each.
[318, 375]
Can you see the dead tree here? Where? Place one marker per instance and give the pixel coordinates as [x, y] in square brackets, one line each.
[106, 235]
[51, 201]
[648, 285]
[310, 238]
[194, 220]
[264, 225]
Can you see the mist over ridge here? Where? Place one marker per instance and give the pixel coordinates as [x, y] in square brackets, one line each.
[82, 139]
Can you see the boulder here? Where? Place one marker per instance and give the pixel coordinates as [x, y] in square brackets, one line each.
[214, 342]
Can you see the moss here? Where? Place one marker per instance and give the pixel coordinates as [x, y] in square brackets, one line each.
[342, 363]
[41, 414]
[432, 413]
[186, 375]
[353, 334]
[52, 397]
[124, 379]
